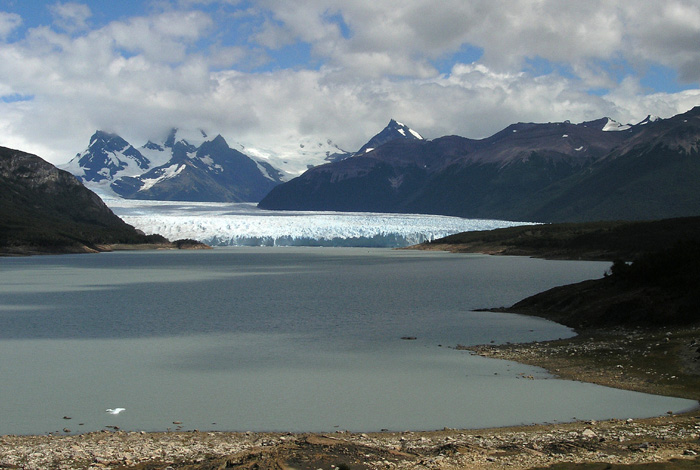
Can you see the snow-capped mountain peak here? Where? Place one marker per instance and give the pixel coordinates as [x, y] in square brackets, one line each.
[403, 129]
[107, 156]
[394, 130]
[175, 169]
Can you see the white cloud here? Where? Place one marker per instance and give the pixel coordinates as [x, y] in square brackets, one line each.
[164, 38]
[633, 104]
[667, 33]
[70, 17]
[8, 23]
[177, 67]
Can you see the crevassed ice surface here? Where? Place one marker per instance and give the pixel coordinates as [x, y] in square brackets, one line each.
[243, 224]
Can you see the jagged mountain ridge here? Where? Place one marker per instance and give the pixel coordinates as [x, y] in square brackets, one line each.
[189, 167]
[110, 155]
[181, 169]
[549, 172]
[211, 172]
[393, 177]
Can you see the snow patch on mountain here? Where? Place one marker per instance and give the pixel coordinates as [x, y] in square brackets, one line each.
[166, 173]
[415, 134]
[297, 156]
[613, 125]
[648, 119]
[157, 155]
[403, 128]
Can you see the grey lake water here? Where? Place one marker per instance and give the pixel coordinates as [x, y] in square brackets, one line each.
[293, 339]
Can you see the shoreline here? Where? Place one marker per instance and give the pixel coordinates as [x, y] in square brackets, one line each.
[663, 361]
[673, 439]
[24, 251]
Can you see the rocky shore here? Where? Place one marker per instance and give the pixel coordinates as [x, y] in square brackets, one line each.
[31, 250]
[652, 361]
[671, 440]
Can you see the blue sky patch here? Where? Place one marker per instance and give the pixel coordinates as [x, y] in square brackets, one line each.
[467, 54]
[658, 77]
[16, 97]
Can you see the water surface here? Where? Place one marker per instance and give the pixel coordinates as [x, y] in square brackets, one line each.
[299, 339]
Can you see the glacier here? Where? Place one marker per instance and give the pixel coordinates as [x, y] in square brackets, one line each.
[243, 224]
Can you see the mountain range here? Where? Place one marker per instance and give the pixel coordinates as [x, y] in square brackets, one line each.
[188, 166]
[539, 172]
[548, 172]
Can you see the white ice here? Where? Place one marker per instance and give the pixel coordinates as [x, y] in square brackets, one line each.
[243, 224]
[169, 172]
[416, 134]
[613, 125]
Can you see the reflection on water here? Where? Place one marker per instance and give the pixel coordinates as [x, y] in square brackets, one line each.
[282, 339]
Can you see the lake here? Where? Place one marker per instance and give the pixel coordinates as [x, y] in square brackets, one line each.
[293, 339]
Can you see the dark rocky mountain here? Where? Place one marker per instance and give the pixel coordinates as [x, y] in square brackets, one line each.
[44, 209]
[597, 170]
[393, 131]
[180, 169]
[654, 174]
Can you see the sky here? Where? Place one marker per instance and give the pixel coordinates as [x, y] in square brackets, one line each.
[268, 73]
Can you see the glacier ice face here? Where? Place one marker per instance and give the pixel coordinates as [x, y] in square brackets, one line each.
[243, 224]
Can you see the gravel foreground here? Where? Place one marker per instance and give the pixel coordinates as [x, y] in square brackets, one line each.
[662, 362]
[618, 441]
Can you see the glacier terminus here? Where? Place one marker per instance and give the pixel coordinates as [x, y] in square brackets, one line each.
[243, 224]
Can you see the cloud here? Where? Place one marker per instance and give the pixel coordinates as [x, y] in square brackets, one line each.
[8, 23]
[206, 64]
[667, 33]
[632, 102]
[385, 37]
[71, 17]
[162, 38]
